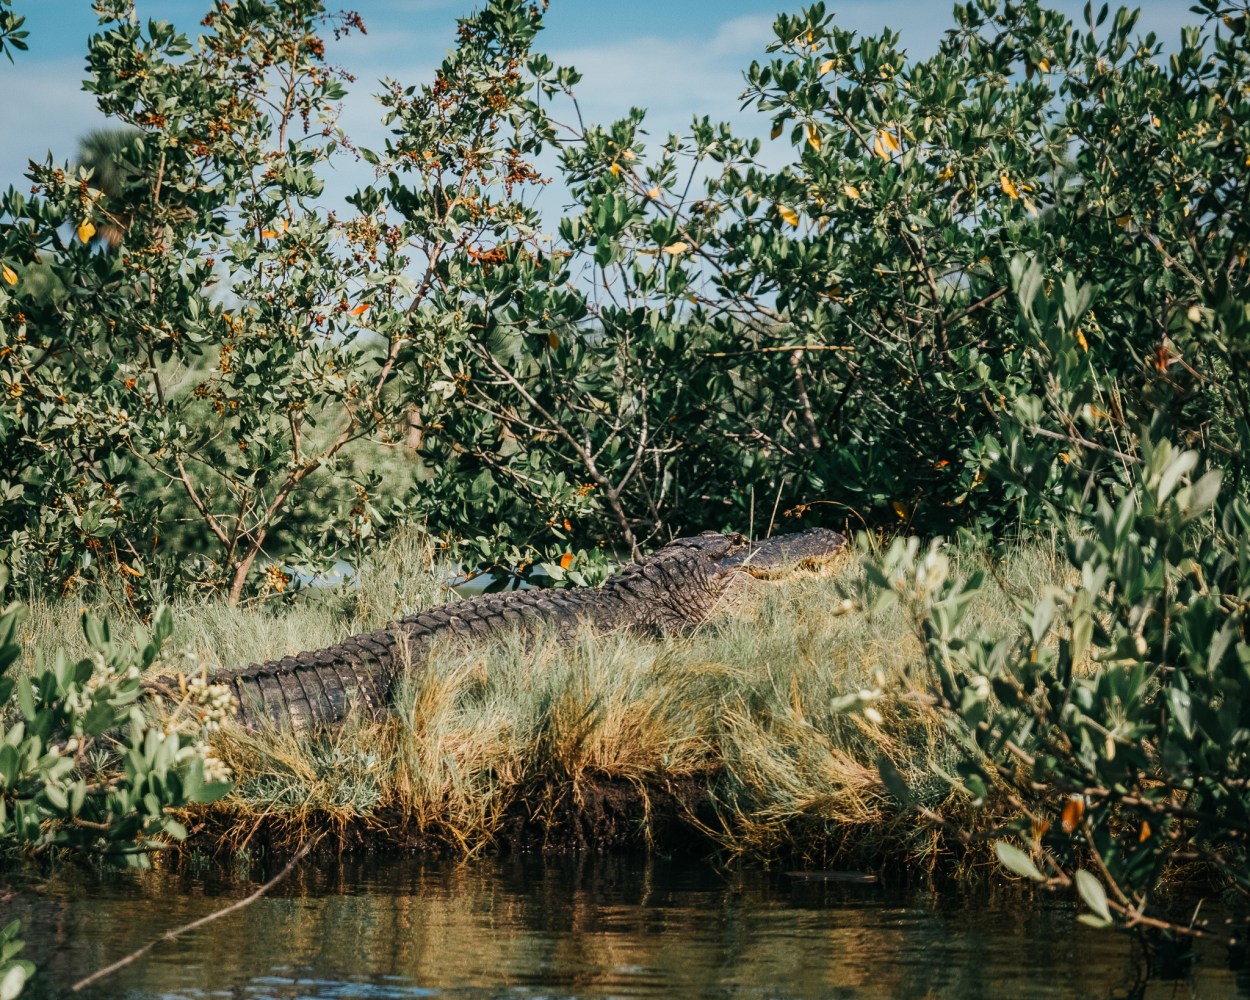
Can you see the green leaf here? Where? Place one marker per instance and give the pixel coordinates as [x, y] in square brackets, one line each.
[1094, 894]
[894, 782]
[211, 791]
[55, 794]
[13, 982]
[1017, 861]
[1182, 710]
[26, 698]
[1180, 466]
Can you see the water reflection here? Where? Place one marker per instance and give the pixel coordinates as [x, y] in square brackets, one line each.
[590, 927]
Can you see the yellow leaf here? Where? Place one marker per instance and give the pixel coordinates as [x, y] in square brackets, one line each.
[813, 138]
[899, 509]
[361, 309]
[1080, 339]
[1154, 120]
[86, 230]
[1009, 189]
[775, 132]
[1123, 220]
[788, 214]
[9, 274]
[566, 560]
[268, 234]
[616, 169]
[826, 66]
[553, 341]
[627, 154]
[680, 247]
[850, 190]
[1144, 835]
[1044, 65]
[885, 143]
[946, 173]
[654, 192]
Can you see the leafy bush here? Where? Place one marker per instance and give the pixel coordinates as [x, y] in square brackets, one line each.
[82, 768]
[1111, 727]
[697, 334]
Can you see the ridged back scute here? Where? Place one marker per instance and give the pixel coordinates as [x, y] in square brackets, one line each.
[677, 587]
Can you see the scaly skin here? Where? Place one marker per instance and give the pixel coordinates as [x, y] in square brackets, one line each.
[673, 590]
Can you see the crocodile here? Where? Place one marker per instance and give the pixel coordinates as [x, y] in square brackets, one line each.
[674, 590]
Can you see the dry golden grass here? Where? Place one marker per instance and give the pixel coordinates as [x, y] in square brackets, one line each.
[523, 731]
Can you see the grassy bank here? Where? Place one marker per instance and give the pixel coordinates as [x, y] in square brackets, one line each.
[728, 739]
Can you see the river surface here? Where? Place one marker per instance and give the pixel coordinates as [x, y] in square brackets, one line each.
[582, 927]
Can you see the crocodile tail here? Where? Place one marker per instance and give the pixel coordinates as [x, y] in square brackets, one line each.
[319, 687]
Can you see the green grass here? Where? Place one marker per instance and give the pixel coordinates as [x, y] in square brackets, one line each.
[531, 732]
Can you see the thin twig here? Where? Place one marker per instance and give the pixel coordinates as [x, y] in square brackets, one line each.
[177, 931]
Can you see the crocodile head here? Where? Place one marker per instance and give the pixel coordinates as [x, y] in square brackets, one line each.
[681, 585]
[781, 555]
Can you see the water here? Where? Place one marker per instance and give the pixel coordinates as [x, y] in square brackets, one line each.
[592, 927]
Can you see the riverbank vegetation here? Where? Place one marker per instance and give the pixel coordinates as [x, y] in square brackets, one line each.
[998, 294]
[737, 739]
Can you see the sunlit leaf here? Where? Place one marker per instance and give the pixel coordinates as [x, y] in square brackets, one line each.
[1016, 860]
[826, 66]
[885, 143]
[14, 982]
[1093, 893]
[678, 248]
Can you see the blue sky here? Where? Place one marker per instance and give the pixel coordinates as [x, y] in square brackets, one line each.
[676, 58]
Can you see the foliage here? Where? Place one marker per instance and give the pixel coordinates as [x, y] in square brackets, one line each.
[848, 331]
[216, 397]
[82, 768]
[12, 37]
[843, 332]
[1112, 723]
